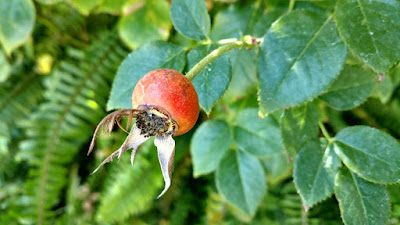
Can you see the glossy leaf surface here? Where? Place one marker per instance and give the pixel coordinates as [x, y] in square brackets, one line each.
[371, 29]
[209, 143]
[360, 201]
[241, 181]
[301, 55]
[315, 170]
[213, 80]
[259, 137]
[190, 18]
[370, 153]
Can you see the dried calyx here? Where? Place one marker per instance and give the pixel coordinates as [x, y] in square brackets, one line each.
[150, 121]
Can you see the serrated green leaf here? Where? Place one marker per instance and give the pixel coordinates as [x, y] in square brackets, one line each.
[299, 125]
[231, 22]
[367, 27]
[351, 88]
[85, 6]
[259, 137]
[244, 74]
[190, 18]
[383, 89]
[300, 57]
[240, 179]
[5, 67]
[213, 80]
[315, 169]
[261, 23]
[360, 201]
[151, 56]
[370, 153]
[239, 20]
[209, 143]
[150, 22]
[17, 18]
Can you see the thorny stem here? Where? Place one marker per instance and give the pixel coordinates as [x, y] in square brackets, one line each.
[220, 51]
[324, 131]
[291, 5]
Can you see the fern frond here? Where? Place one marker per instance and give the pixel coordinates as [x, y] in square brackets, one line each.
[75, 98]
[59, 25]
[18, 96]
[131, 190]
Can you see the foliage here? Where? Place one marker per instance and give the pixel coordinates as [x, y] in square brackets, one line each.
[300, 111]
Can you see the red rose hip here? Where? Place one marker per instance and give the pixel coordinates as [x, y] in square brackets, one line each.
[165, 104]
[172, 92]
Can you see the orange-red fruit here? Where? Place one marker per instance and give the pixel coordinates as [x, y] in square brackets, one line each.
[172, 91]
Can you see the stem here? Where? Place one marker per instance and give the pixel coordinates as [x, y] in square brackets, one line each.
[291, 5]
[324, 131]
[217, 53]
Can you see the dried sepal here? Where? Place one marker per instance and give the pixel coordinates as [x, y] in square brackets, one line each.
[134, 140]
[166, 153]
[109, 121]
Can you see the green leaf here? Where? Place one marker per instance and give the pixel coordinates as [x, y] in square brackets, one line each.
[213, 80]
[151, 56]
[244, 74]
[299, 125]
[150, 22]
[351, 88]
[370, 153]
[371, 29]
[300, 57]
[231, 22]
[277, 166]
[360, 201]
[5, 67]
[261, 23]
[241, 181]
[190, 18]
[259, 137]
[384, 89]
[85, 6]
[17, 18]
[238, 20]
[209, 143]
[111, 6]
[315, 170]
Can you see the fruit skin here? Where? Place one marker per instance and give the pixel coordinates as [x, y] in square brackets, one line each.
[173, 92]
